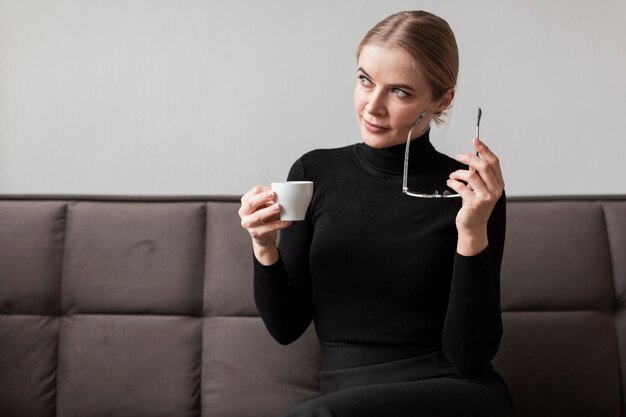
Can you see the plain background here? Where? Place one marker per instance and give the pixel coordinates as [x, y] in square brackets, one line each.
[206, 97]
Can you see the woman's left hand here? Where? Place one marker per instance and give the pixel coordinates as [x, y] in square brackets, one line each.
[480, 188]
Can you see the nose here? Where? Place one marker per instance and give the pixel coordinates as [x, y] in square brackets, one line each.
[375, 103]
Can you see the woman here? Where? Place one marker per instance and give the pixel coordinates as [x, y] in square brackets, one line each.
[404, 292]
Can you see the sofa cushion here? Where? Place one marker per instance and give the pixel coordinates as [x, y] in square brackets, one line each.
[228, 273]
[125, 258]
[28, 363]
[615, 216]
[125, 366]
[548, 357]
[31, 260]
[246, 373]
[556, 257]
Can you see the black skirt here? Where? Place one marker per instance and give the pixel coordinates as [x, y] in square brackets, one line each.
[358, 380]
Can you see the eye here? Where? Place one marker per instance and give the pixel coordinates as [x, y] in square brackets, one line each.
[365, 81]
[399, 92]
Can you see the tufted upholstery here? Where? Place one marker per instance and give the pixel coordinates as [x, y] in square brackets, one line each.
[137, 308]
[564, 300]
[131, 306]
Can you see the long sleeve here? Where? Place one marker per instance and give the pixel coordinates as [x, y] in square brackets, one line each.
[282, 291]
[473, 325]
[371, 265]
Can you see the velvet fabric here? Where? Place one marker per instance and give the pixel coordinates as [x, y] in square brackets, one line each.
[142, 306]
[133, 307]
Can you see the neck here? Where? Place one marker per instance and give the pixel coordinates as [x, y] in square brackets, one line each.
[391, 159]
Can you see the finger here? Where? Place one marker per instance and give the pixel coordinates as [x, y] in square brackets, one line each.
[252, 201]
[273, 218]
[481, 148]
[255, 190]
[260, 216]
[473, 180]
[483, 168]
[491, 158]
[268, 228]
[463, 190]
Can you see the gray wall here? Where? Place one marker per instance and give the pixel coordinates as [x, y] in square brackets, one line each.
[203, 97]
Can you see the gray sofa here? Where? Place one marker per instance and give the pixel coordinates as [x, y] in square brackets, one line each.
[142, 306]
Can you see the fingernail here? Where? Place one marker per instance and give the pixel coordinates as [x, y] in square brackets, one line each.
[276, 206]
[269, 193]
[476, 141]
[459, 156]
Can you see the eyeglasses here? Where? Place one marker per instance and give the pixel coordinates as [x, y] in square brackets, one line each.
[405, 188]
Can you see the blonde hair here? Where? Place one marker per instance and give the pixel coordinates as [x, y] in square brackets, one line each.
[429, 40]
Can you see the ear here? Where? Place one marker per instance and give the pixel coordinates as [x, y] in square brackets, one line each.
[445, 101]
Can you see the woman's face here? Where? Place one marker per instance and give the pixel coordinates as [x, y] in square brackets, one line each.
[390, 94]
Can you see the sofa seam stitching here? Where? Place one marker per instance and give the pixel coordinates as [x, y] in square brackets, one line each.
[202, 311]
[60, 315]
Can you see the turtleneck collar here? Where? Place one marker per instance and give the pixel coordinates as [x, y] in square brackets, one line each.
[390, 160]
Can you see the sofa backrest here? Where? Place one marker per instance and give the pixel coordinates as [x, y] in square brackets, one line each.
[137, 308]
[142, 306]
[563, 298]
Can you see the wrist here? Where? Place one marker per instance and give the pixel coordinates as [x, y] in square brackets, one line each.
[472, 242]
[266, 255]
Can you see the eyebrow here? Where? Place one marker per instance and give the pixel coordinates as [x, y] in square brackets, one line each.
[400, 86]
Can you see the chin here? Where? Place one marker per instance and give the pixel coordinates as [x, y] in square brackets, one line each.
[379, 141]
[374, 143]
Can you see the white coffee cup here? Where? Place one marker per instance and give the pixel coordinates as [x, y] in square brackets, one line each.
[294, 198]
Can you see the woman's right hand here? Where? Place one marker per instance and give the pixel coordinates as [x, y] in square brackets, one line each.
[260, 216]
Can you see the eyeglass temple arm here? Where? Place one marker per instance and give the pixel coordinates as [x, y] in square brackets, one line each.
[405, 188]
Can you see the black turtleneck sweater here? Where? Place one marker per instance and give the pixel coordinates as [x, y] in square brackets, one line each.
[372, 265]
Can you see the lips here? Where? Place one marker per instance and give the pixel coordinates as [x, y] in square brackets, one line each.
[374, 128]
